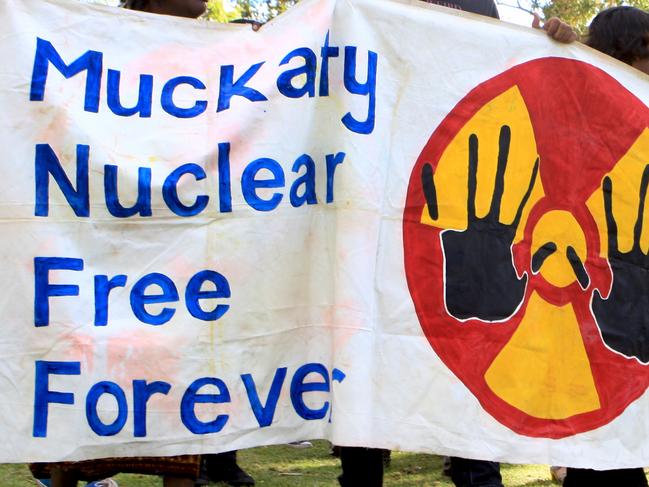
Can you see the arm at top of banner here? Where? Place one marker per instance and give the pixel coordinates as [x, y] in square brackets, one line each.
[92, 62]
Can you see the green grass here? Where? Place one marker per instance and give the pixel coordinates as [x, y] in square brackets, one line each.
[283, 466]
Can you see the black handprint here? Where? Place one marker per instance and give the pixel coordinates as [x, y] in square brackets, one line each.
[480, 279]
[623, 317]
[549, 248]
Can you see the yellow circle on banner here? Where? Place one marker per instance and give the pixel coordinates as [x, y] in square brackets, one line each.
[560, 228]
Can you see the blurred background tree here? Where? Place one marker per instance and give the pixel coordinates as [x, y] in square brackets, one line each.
[263, 10]
[216, 11]
[577, 13]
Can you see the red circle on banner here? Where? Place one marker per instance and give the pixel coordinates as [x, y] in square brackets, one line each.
[584, 122]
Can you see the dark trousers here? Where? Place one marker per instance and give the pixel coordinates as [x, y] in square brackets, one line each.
[624, 477]
[215, 462]
[362, 467]
[466, 472]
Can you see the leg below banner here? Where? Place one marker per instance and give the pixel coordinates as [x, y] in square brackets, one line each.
[466, 472]
[177, 482]
[361, 466]
[63, 478]
[627, 477]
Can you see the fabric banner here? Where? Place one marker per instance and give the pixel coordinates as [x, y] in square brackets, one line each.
[373, 221]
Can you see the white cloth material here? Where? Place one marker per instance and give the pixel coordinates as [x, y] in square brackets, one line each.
[310, 330]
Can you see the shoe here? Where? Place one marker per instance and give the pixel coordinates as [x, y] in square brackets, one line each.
[300, 444]
[102, 483]
[234, 476]
[223, 467]
[94, 483]
[201, 481]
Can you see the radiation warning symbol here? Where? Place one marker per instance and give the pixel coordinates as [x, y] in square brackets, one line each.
[527, 246]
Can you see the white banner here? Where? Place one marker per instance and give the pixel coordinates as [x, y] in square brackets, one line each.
[373, 221]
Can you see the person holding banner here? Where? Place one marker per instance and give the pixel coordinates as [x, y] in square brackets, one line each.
[177, 471]
[222, 467]
[463, 471]
[364, 466]
[190, 9]
[622, 33]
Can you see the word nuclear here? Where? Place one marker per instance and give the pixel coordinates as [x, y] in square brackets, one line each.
[296, 82]
[311, 380]
[259, 180]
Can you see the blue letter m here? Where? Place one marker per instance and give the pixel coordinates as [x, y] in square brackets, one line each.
[91, 61]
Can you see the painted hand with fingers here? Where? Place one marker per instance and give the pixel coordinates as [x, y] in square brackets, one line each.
[623, 316]
[549, 248]
[480, 278]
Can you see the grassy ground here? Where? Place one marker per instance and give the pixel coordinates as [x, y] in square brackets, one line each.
[283, 466]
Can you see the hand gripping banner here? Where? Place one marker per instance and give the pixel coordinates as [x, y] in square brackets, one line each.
[374, 221]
